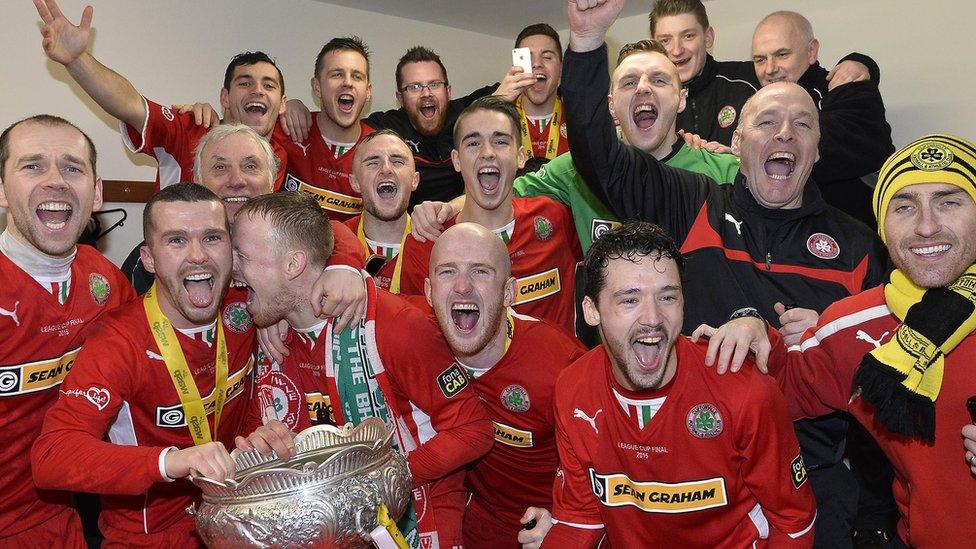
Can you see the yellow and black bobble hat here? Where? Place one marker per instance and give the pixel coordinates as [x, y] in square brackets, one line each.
[935, 158]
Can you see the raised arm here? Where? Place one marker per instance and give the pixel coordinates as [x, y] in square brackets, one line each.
[67, 43]
[634, 184]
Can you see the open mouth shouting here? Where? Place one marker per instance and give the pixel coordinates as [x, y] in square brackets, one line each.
[387, 189]
[780, 165]
[256, 107]
[489, 178]
[428, 109]
[345, 102]
[645, 116]
[465, 317]
[54, 214]
[200, 289]
[648, 349]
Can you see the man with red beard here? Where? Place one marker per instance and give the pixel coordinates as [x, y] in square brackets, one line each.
[166, 379]
[538, 231]
[52, 289]
[253, 94]
[384, 172]
[654, 449]
[394, 365]
[543, 124]
[514, 361]
[321, 163]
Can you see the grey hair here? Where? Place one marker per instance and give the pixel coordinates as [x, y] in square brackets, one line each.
[222, 131]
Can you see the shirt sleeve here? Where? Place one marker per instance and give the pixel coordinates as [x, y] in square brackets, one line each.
[70, 453]
[772, 468]
[163, 129]
[347, 249]
[552, 180]
[415, 259]
[815, 376]
[430, 378]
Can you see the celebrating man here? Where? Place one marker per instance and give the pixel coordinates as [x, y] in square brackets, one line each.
[538, 231]
[165, 379]
[654, 450]
[393, 365]
[52, 290]
[514, 361]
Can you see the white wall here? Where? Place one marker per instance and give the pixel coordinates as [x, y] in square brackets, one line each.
[924, 49]
[175, 51]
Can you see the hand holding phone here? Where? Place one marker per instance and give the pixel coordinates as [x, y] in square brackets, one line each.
[522, 57]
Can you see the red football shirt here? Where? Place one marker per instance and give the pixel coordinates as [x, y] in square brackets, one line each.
[171, 138]
[41, 339]
[120, 387]
[544, 250]
[718, 465]
[314, 168]
[519, 470]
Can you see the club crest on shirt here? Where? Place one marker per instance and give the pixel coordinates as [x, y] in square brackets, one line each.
[236, 317]
[515, 398]
[99, 287]
[931, 156]
[705, 421]
[543, 228]
[279, 398]
[562, 131]
[726, 116]
[167, 113]
[823, 246]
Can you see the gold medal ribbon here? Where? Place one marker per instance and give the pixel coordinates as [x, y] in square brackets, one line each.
[194, 411]
[552, 142]
[395, 283]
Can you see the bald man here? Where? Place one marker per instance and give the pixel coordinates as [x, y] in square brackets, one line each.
[393, 365]
[514, 360]
[855, 136]
[768, 243]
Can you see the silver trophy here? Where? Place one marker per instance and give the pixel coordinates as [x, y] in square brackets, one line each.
[326, 496]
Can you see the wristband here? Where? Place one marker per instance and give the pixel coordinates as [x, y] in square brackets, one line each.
[747, 311]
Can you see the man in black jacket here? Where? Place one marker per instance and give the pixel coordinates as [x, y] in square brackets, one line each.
[717, 90]
[855, 136]
[767, 241]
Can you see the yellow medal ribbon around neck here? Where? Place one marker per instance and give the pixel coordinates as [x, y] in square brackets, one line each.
[193, 409]
[552, 143]
[509, 329]
[395, 283]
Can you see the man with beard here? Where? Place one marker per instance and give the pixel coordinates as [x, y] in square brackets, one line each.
[538, 231]
[425, 119]
[322, 163]
[377, 369]
[384, 172]
[855, 137]
[898, 357]
[514, 361]
[166, 379]
[654, 449]
[52, 289]
[717, 90]
[788, 252]
[234, 162]
[543, 124]
[645, 109]
[253, 94]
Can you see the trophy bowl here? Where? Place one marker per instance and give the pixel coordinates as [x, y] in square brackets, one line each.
[325, 496]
